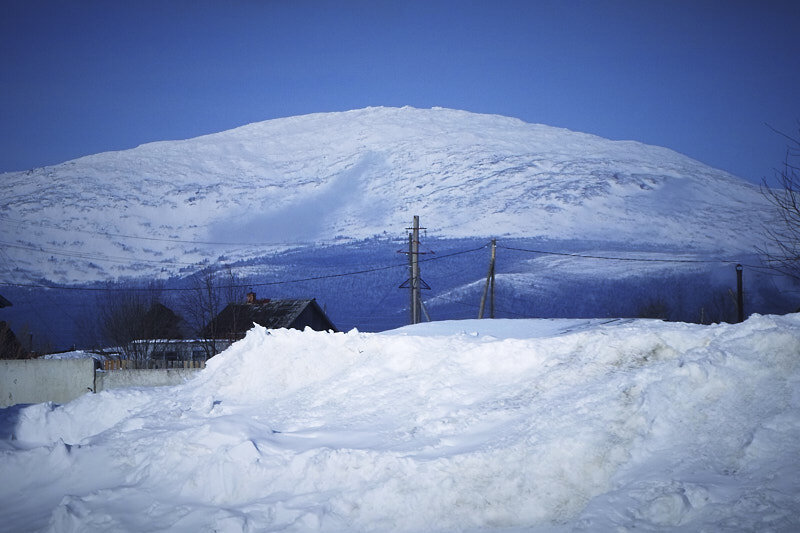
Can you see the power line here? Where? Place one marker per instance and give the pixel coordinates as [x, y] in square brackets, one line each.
[95, 257]
[44, 323]
[357, 272]
[179, 289]
[454, 253]
[120, 259]
[236, 286]
[638, 259]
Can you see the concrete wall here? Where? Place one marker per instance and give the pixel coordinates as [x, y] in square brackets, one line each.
[44, 380]
[118, 379]
[63, 380]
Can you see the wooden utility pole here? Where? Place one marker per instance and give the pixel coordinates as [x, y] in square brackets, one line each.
[739, 295]
[489, 287]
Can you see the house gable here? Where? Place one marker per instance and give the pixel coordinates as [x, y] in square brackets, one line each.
[314, 317]
[236, 319]
[163, 323]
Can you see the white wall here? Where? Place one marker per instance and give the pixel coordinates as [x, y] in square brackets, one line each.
[63, 380]
[44, 380]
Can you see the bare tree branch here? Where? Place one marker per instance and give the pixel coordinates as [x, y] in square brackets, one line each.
[133, 323]
[784, 255]
[211, 292]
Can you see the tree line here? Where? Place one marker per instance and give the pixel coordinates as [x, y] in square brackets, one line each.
[140, 323]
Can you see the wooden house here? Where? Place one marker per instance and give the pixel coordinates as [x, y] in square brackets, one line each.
[236, 319]
[161, 322]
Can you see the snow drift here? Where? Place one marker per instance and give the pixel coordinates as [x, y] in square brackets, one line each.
[543, 425]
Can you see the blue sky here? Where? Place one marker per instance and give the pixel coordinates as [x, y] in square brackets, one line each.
[700, 77]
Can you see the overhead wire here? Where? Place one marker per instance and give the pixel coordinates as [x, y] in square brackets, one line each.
[228, 286]
[612, 258]
[86, 256]
[240, 285]
[45, 323]
[433, 257]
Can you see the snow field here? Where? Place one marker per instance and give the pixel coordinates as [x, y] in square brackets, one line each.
[543, 425]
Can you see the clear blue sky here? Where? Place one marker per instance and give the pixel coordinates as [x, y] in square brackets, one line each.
[700, 77]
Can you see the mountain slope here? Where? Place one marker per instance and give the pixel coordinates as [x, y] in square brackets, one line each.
[159, 207]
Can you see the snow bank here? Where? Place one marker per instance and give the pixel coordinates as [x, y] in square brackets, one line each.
[543, 425]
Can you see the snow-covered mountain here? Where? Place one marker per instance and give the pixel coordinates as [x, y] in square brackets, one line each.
[174, 206]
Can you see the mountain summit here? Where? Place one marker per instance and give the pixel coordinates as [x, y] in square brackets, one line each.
[179, 205]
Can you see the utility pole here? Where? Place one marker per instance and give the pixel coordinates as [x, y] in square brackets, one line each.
[415, 314]
[415, 282]
[410, 282]
[739, 295]
[489, 287]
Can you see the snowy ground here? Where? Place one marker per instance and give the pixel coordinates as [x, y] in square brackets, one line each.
[511, 425]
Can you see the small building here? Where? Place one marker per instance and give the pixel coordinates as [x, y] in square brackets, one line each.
[236, 319]
[183, 353]
[143, 338]
[161, 322]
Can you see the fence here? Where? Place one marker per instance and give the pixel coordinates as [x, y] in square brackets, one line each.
[160, 364]
[142, 377]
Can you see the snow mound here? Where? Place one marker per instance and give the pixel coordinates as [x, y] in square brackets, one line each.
[544, 425]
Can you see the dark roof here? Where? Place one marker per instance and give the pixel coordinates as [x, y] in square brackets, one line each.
[236, 319]
[162, 323]
[4, 302]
